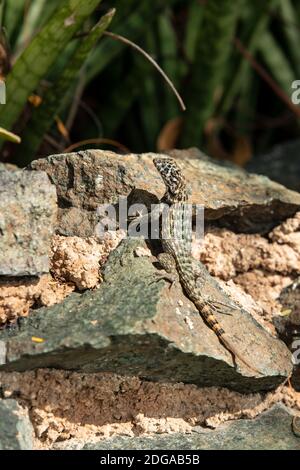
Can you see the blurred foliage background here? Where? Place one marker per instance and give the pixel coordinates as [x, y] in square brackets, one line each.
[69, 82]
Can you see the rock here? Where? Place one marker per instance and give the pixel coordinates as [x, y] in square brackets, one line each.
[86, 179]
[8, 167]
[281, 164]
[76, 260]
[135, 325]
[290, 300]
[269, 431]
[19, 294]
[16, 431]
[27, 219]
[289, 326]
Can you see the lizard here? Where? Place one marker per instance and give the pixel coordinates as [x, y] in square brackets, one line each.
[176, 243]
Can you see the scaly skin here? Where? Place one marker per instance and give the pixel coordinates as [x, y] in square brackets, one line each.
[177, 245]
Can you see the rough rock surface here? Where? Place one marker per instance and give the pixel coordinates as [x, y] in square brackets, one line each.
[290, 299]
[282, 164]
[230, 254]
[74, 264]
[290, 325]
[16, 431]
[262, 265]
[65, 404]
[19, 294]
[86, 179]
[128, 326]
[269, 431]
[77, 260]
[27, 219]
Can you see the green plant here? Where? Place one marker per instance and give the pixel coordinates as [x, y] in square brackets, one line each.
[222, 57]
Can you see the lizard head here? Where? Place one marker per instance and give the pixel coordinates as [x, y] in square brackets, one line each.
[172, 177]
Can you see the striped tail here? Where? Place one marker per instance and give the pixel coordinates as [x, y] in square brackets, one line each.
[210, 319]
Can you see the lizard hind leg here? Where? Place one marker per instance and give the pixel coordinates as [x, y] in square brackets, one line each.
[220, 307]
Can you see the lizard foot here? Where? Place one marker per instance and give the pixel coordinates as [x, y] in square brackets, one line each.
[167, 262]
[219, 306]
[166, 277]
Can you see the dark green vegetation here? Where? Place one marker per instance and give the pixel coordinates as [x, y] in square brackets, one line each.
[232, 62]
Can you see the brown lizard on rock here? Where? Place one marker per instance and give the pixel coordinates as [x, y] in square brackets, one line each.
[176, 241]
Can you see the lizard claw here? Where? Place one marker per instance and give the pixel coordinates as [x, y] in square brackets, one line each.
[214, 305]
[166, 277]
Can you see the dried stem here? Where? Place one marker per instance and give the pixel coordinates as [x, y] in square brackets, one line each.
[97, 141]
[148, 57]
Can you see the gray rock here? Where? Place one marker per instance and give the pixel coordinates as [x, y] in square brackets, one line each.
[289, 326]
[282, 164]
[269, 431]
[27, 219]
[86, 179]
[290, 300]
[8, 167]
[16, 431]
[134, 325]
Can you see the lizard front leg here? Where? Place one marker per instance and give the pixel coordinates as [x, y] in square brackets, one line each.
[167, 262]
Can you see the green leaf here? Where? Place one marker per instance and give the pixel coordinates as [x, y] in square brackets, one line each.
[256, 24]
[214, 43]
[2, 4]
[194, 20]
[133, 26]
[291, 30]
[6, 135]
[114, 109]
[245, 109]
[149, 100]
[36, 16]
[37, 59]
[276, 61]
[170, 63]
[43, 116]
[13, 16]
